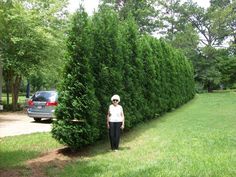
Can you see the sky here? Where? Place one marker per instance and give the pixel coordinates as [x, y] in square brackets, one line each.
[91, 5]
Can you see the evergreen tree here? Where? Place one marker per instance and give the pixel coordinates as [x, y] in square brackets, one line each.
[149, 77]
[106, 61]
[77, 113]
[132, 72]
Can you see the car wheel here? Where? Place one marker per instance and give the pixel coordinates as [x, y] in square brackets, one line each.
[37, 119]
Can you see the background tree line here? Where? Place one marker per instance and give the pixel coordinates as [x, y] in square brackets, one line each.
[108, 55]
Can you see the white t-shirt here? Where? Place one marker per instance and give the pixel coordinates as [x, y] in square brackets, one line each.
[116, 113]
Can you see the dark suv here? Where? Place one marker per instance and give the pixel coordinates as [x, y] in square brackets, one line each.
[42, 105]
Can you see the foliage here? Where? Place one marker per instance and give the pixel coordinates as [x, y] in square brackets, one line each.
[48, 76]
[143, 12]
[227, 68]
[77, 97]
[201, 33]
[28, 38]
[110, 56]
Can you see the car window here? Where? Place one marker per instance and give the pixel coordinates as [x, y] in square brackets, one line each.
[45, 96]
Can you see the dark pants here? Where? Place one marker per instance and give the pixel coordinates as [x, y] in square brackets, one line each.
[114, 134]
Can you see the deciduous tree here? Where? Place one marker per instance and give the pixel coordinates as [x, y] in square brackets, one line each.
[28, 38]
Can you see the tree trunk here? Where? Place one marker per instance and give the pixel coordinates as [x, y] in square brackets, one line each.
[209, 87]
[7, 90]
[8, 76]
[15, 91]
[1, 79]
[28, 89]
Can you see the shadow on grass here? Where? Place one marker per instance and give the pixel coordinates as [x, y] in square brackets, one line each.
[15, 158]
[103, 146]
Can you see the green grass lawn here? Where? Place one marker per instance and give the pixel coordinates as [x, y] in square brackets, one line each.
[16, 150]
[198, 139]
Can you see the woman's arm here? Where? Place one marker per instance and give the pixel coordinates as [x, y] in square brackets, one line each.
[108, 115]
[123, 122]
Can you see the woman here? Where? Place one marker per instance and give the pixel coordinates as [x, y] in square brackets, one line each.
[115, 121]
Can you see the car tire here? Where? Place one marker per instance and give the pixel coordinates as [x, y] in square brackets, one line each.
[37, 119]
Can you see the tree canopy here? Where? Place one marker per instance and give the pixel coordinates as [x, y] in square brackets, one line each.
[201, 34]
[30, 37]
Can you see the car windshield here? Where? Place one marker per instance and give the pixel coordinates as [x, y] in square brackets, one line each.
[45, 96]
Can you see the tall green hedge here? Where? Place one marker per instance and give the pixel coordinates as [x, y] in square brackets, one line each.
[107, 56]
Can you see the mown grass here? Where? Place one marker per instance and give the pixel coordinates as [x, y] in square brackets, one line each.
[15, 151]
[198, 139]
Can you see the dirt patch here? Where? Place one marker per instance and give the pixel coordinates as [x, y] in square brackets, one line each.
[62, 154]
[53, 158]
[10, 173]
[56, 159]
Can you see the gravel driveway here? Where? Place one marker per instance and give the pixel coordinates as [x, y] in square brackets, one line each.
[18, 123]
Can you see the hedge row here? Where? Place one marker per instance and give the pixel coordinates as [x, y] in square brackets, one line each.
[107, 56]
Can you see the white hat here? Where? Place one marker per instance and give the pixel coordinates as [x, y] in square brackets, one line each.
[115, 97]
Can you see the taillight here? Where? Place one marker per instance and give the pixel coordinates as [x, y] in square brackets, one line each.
[30, 103]
[51, 103]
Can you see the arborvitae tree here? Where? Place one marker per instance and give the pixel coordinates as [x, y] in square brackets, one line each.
[157, 56]
[77, 113]
[168, 75]
[163, 88]
[149, 77]
[132, 72]
[107, 62]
